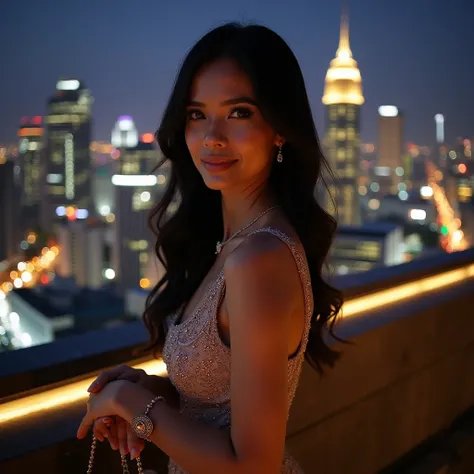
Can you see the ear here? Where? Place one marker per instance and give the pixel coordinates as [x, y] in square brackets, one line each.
[279, 141]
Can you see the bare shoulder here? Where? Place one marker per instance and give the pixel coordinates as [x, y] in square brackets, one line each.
[260, 253]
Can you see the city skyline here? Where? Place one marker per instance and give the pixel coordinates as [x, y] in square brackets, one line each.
[129, 61]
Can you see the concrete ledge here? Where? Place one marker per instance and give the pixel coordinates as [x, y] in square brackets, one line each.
[400, 383]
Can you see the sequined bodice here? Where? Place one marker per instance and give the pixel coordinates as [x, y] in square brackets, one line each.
[199, 363]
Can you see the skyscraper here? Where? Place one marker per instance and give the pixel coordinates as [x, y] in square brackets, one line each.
[389, 170]
[10, 235]
[68, 136]
[31, 160]
[439, 119]
[82, 252]
[136, 190]
[343, 98]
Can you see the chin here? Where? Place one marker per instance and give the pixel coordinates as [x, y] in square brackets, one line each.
[218, 183]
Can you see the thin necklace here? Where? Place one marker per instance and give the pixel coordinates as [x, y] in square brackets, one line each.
[219, 244]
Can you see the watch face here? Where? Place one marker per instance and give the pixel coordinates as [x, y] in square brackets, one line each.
[142, 426]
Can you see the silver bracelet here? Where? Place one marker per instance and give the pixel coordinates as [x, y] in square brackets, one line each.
[142, 425]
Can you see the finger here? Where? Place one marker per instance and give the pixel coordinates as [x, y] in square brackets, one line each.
[113, 438]
[120, 372]
[135, 444]
[97, 435]
[122, 436]
[103, 379]
[132, 375]
[101, 429]
[84, 427]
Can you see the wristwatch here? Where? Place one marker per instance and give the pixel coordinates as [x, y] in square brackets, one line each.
[142, 424]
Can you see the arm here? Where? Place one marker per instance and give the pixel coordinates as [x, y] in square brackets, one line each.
[156, 384]
[260, 299]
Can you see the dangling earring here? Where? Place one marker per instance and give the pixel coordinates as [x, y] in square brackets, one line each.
[280, 155]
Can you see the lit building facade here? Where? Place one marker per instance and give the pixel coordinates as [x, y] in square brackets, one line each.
[68, 161]
[360, 249]
[343, 98]
[390, 170]
[31, 163]
[83, 252]
[136, 191]
[10, 194]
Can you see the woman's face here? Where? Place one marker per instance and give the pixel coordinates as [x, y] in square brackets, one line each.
[231, 145]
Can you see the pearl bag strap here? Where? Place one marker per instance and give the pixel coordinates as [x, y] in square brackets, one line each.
[125, 469]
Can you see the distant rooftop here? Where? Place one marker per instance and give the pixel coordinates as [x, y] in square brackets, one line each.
[85, 302]
[374, 228]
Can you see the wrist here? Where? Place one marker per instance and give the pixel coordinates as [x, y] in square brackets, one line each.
[131, 400]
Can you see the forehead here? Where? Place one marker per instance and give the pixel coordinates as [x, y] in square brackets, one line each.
[221, 79]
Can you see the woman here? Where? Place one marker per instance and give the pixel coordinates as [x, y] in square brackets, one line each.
[242, 301]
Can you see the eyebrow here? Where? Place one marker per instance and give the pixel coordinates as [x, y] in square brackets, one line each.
[236, 100]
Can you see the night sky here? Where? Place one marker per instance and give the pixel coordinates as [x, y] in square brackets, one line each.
[416, 54]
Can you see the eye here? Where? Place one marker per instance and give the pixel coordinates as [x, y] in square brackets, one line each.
[194, 115]
[241, 112]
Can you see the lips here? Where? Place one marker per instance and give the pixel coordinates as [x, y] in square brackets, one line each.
[217, 164]
[217, 161]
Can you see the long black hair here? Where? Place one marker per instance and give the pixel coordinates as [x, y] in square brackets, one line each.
[185, 240]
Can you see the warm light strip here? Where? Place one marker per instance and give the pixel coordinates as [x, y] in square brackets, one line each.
[76, 391]
[402, 292]
[65, 395]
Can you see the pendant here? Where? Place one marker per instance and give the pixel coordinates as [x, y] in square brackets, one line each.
[218, 248]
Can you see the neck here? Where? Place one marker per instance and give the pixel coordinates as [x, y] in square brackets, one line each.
[239, 209]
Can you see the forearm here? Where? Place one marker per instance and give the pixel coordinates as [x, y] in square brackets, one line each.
[196, 447]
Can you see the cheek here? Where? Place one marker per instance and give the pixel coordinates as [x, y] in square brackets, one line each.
[194, 143]
[253, 144]
[191, 138]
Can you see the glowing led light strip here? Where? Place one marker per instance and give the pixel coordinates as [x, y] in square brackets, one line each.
[76, 391]
[60, 396]
[382, 298]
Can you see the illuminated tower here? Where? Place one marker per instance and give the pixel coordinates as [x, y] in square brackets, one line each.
[137, 189]
[31, 162]
[389, 171]
[343, 98]
[439, 119]
[68, 135]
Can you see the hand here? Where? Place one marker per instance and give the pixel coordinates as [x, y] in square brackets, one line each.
[116, 430]
[102, 404]
[121, 372]
[119, 434]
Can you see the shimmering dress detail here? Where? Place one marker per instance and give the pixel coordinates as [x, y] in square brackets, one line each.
[199, 363]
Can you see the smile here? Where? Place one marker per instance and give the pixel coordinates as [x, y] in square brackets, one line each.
[218, 164]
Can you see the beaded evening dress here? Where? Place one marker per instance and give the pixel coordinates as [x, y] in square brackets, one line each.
[198, 362]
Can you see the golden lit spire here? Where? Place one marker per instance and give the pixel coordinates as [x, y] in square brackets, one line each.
[343, 81]
[344, 50]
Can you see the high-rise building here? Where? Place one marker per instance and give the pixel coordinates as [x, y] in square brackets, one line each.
[362, 248]
[343, 98]
[83, 252]
[68, 135]
[31, 164]
[124, 134]
[439, 119]
[10, 193]
[136, 190]
[389, 170]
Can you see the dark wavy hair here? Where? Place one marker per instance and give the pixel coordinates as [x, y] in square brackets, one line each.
[185, 240]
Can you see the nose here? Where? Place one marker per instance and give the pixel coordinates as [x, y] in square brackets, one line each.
[214, 138]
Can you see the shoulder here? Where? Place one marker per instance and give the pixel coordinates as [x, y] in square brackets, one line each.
[261, 275]
[258, 253]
